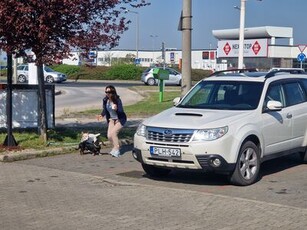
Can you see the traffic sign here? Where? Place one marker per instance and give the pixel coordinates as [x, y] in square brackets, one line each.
[301, 48]
[137, 61]
[301, 57]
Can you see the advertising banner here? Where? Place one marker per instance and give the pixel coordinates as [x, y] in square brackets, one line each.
[252, 48]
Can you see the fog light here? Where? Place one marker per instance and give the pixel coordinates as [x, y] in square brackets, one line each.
[216, 162]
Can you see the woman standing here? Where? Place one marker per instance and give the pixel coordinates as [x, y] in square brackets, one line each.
[113, 110]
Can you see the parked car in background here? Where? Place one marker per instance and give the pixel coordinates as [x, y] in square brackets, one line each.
[228, 124]
[49, 74]
[149, 79]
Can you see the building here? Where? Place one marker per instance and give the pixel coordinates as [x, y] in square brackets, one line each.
[264, 47]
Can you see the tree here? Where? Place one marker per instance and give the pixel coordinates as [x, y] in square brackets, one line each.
[52, 28]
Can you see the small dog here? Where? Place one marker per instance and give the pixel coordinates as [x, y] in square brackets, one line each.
[90, 143]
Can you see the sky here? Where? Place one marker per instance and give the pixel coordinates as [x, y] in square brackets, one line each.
[160, 20]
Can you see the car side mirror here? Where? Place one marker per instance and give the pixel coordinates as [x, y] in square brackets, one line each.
[176, 101]
[274, 105]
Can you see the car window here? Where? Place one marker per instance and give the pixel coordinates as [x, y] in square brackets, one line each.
[274, 93]
[20, 67]
[232, 95]
[294, 93]
[147, 70]
[171, 71]
[305, 85]
[47, 69]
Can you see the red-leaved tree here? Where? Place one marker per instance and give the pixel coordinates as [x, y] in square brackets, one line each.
[52, 28]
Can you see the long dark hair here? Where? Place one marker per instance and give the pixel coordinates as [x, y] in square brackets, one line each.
[113, 97]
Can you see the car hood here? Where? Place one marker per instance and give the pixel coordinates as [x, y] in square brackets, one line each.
[184, 118]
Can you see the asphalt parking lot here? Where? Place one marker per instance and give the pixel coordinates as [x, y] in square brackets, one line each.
[100, 192]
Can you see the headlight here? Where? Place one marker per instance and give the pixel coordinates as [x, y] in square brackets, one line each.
[141, 131]
[209, 134]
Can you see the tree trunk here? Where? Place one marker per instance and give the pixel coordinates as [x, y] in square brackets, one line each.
[9, 140]
[42, 104]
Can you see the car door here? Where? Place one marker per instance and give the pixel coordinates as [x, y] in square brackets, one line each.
[296, 100]
[276, 125]
[173, 77]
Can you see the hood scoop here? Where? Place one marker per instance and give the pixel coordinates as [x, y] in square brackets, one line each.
[189, 114]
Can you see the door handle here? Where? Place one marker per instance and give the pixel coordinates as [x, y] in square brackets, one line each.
[289, 115]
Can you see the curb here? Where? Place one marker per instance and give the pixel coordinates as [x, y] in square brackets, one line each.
[30, 154]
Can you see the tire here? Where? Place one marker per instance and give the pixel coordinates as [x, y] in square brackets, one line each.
[179, 84]
[49, 79]
[153, 171]
[248, 165]
[151, 81]
[22, 78]
[303, 156]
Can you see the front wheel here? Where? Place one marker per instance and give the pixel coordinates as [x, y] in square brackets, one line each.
[155, 171]
[151, 81]
[22, 78]
[248, 165]
[303, 156]
[49, 79]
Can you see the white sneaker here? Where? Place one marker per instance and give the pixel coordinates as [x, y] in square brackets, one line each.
[112, 151]
[116, 153]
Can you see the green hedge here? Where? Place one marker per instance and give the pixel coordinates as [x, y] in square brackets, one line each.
[124, 72]
[115, 72]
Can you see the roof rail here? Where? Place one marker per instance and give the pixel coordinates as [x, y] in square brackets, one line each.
[291, 71]
[221, 72]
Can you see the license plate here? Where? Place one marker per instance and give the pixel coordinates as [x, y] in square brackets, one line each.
[165, 152]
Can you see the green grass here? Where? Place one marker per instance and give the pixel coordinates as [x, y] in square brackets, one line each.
[61, 136]
[149, 106]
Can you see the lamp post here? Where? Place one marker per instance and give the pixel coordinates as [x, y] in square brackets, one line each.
[137, 32]
[241, 34]
[153, 46]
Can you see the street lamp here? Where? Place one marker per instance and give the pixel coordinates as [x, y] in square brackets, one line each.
[153, 46]
[137, 32]
[241, 32]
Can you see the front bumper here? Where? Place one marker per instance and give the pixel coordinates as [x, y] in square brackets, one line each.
[201, 162]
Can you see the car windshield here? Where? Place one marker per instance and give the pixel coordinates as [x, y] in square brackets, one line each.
[223, 95]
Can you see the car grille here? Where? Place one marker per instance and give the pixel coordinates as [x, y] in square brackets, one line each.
[169, 135]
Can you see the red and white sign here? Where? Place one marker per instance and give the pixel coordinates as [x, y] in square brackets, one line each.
[252, 48]
[256, 47]
[227, 48]
[301, 47]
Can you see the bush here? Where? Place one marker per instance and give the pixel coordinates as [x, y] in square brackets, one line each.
[199, 74]
[67, 69]
[124, 72]
[115, 72]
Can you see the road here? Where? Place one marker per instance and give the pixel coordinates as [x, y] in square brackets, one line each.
[86, 192]
[81, 95]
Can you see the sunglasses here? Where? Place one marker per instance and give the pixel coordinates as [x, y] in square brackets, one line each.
[108, 92]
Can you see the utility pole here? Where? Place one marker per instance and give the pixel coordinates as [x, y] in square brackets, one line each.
[241, 34]
[186, 28]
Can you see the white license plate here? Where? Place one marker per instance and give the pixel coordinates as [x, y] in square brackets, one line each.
[165, 152]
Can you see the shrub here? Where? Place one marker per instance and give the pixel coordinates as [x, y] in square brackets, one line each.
[198, 74]
[115, 72]
[124, 72]
[67, 69]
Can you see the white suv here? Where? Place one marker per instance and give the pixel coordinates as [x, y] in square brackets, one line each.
[228, 124]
